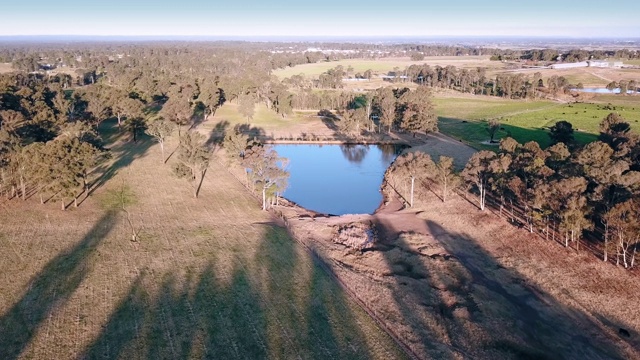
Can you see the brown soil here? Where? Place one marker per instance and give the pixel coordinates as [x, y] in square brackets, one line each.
[451, 281]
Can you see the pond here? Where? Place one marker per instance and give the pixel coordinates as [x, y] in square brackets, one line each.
[603, 91]
[337, 179]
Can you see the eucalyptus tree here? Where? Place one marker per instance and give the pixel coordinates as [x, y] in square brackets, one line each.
[267, 170]
[445, 176]
[99, 103]
[418, 113]
[478, 171]
[385, 101]
[414, 166]
[624, 220]
[562, 132]
[193, 159]
[247, 106]
[160, 130]
[210, 95]
[126, 107]
[177, 110]
[352, 122]
[236, 144]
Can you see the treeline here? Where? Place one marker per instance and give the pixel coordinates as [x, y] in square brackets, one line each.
[572, 55]
[561, 194]
[476, 81]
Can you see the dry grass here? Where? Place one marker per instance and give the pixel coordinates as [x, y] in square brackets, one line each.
[454, 282]
[384, 65]
[5, 68]
[212, 277]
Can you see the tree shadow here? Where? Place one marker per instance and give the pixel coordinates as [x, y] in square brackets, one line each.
[457, 300]
[315, 312]
[251, 308]
[198, 117]
[216, 137]
[123, 153]
[329, 119]
[49, 290]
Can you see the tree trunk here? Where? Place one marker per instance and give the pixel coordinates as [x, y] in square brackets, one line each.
[23, 188]
[75, 202]
[119, 120]
[482, 197]
[164, 161]
[264, 198]
[62, 204]
[444, 191]
[412, 182]
[606, 240]
[41, 200]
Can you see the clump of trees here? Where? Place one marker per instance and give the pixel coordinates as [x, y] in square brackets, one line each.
[266, 170]
[417, 168]
[562, 192]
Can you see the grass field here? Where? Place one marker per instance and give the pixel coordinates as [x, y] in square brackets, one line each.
[464, 117]
[385, 65]
[212, 277]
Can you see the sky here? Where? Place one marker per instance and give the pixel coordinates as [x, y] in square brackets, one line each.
[317, 18]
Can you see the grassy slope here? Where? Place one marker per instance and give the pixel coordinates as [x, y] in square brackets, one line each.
[527, 120]
[212, 277]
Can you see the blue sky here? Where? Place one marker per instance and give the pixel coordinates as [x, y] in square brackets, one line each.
[321, 18]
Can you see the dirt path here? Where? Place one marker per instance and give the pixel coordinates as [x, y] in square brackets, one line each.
[600, 76]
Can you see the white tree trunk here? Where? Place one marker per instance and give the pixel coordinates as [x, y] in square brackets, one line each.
[412, 182]
[264, 198]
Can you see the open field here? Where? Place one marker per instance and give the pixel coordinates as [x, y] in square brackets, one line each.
[5, 67]
[384, 65]
[464, 117]
[212, 277]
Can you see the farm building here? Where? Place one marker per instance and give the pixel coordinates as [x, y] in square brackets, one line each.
[570, 65]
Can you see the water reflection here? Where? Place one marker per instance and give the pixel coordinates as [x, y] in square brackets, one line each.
[354, 153]
[337, 179]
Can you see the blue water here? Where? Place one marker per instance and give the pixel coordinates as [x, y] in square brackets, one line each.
[337, 179]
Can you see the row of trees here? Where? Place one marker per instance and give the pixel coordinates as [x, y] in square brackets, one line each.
[625, 86]
[594, 189]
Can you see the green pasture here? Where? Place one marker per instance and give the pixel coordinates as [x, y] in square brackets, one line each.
[466, 119]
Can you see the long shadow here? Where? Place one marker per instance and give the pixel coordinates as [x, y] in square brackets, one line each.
[258, 306]
[50, 289]
[123, 154]
[324, 327]
[462, 302]
[216, 137]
